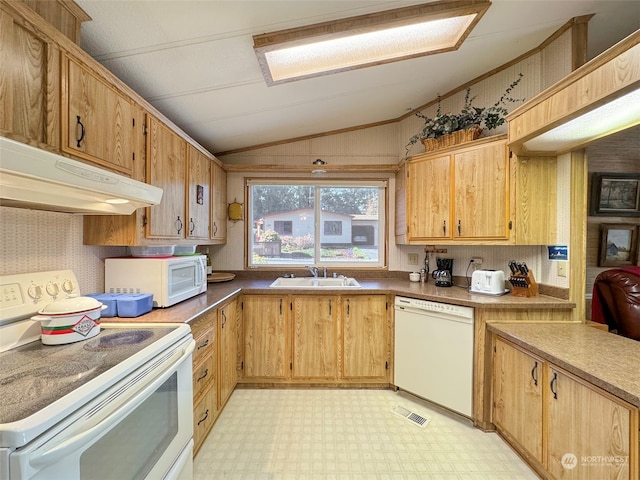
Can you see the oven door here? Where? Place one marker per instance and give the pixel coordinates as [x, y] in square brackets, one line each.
[141, 428]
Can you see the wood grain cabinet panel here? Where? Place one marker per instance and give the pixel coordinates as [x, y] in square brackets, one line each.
[458, 194]
[565, 427]
[166, 167]
[218, 204]
[265, 326]
[365, 347]
[481, 193]
[591, 426]
[227, 351]
[199, 191]
[99, 124]
[314, 336]
[517, 387]
[29, 82]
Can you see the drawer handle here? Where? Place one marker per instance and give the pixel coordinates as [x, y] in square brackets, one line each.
[534, 374]
[206, 372]
[552, 385]
[206, 415]
[82, 131]
[206, 342]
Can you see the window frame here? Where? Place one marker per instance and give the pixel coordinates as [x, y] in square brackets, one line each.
[383, 222]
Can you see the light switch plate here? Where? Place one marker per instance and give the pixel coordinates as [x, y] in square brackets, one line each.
[562, 268]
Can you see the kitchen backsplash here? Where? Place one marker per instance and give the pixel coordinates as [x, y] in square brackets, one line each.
[34, 241]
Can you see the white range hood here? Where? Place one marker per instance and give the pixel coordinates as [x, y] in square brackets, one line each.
[37, 179]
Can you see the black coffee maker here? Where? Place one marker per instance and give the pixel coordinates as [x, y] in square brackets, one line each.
[444, 274]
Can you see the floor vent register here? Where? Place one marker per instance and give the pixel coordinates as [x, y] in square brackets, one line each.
[413, 417]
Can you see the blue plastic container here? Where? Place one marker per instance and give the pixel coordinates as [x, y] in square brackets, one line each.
[134, 304]
[108, 299]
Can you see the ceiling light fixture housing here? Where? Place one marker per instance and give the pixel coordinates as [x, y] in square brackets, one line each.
[366, 40]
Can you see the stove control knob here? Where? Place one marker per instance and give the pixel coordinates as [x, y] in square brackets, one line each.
[68, 286]
[35, 292]
[53, 289]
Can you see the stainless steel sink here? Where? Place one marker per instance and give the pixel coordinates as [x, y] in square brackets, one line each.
[315, 282]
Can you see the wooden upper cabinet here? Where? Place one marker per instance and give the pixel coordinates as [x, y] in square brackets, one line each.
[461, 193]
[29, 82]
[218, 203]
[481, 192]
[199, 190]
[429, 197]
[166, 168]
[99, 123]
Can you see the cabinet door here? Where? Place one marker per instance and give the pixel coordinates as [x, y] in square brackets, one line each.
[428, 199]
[29, 82]
[198, 187]
[365, 352]
[314, 336]
[228, 351]
[264, 322]
[481, 192]
[99, 124]
[517, 397]
[535, 200]
[219, 204]
[583, 423]
[166, 164]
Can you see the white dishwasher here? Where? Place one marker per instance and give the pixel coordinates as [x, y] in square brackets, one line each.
[434, 352]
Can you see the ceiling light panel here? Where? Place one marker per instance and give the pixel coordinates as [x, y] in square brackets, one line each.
[619, 114]
[367, 40]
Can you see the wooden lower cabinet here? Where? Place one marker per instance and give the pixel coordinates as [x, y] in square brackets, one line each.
[205, 375]
[565, 427]
[365, 341]
[227, 350]
[265, 337]
[314, 352]
[589, 432]
[517, 404]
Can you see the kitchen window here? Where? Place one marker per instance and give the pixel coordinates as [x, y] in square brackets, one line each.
[329, 223]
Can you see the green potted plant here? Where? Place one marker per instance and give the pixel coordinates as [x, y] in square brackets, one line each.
[446, 129]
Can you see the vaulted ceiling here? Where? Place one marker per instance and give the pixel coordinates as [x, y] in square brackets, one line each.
[194, 61]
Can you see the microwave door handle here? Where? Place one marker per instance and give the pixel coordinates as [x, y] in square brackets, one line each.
[202, 272]
[42, 457]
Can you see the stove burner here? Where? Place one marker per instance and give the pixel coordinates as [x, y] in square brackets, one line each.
[114, 340]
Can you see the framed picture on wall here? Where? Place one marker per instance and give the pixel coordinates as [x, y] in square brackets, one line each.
[618, 245]
[615, 194]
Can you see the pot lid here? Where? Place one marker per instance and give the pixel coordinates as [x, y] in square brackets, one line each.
[70, 304]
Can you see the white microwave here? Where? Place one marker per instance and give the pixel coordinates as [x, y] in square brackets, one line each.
[170, 279]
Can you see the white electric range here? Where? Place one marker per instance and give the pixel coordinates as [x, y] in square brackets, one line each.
[117, 405]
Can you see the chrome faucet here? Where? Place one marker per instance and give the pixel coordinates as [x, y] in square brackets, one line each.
[313, 270]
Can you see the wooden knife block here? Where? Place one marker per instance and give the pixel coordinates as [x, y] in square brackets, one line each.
[531, 290]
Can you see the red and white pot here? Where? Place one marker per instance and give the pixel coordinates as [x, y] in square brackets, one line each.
[69, 320]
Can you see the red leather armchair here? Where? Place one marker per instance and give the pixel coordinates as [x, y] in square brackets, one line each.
[616, 301]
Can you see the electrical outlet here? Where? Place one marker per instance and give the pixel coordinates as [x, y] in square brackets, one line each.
[562, 268]
[476, 260]
[412, 259]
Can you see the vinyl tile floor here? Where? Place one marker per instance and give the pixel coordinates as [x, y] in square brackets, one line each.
[348, 434]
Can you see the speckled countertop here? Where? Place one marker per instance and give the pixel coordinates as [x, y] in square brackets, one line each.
[218, 293]
[609, 361]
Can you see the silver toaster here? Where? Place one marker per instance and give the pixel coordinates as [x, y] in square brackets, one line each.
[488, 281]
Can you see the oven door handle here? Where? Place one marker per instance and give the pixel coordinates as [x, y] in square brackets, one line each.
[42, 457]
